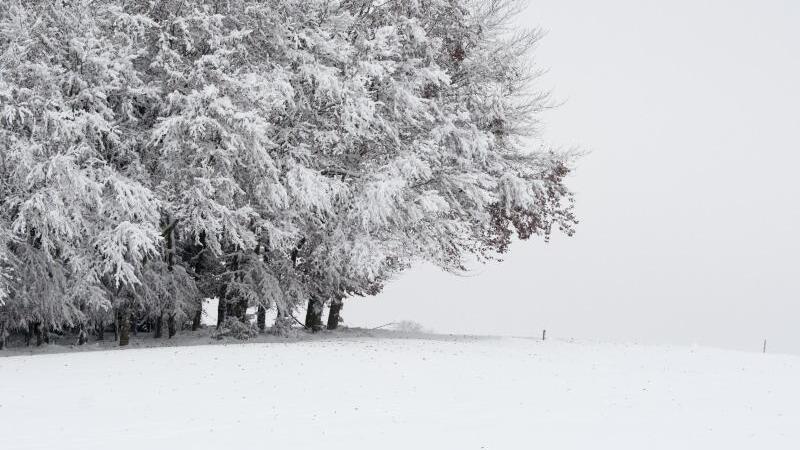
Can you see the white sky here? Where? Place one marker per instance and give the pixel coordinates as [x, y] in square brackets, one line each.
[688, 200]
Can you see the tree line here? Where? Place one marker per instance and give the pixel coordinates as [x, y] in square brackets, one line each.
[270, 153]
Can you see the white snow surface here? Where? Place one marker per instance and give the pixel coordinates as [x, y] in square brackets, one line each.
[383, 390]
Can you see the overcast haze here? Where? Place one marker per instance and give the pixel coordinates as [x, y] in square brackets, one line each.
[687, 201]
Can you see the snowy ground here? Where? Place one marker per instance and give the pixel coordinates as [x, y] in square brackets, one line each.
[353, 391]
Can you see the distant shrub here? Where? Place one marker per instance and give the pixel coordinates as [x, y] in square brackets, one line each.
[409, 326]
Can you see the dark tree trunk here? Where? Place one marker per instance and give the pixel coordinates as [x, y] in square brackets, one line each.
[124, 328]
[2, 335]
[261, 313]
[236, 305]
[334, 313]
[314, 315]
[83, 337]
[169, 238]
[198, 317]
[101, 331]
[204, 266]
[309, 313]
[228, 304]
[241, 309]
[171, 329]
[221, 307]
[261, 320]
[159, 326]
[37, 330]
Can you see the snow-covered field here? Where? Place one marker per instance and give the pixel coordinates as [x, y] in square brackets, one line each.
[350, 391]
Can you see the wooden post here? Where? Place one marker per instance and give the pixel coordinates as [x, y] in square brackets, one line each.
[765, 346]
[544, 334]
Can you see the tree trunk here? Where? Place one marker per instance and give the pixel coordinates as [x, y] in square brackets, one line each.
[198, 317]
[261, 320]
[221, 311]
[159, 326]
[37, 330]
[237, 303]
[83, 337]
[101, 331]
[203, 266]
[169, 258]
[309, 313]
[171, 329]
[124, 328]
[241, 309]
[314, 315]
[2, 335]
[333, 314]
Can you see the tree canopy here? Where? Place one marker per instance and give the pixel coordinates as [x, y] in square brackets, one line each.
[271, 153]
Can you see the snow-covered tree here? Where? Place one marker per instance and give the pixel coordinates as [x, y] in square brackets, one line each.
[78, 204]
[271, 153]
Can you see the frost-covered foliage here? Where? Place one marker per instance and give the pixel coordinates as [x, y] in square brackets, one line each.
[76, 199]
[266, 152]
[235, 328]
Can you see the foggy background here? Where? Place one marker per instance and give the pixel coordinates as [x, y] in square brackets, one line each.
[688, 199]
